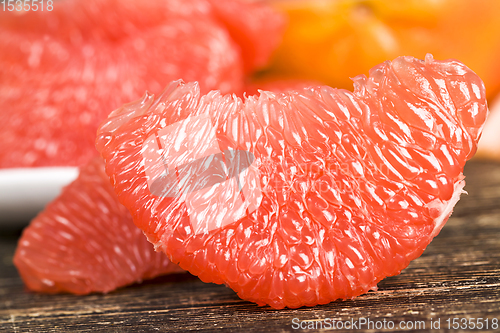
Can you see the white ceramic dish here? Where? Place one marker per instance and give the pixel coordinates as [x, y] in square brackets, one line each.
[25, 191]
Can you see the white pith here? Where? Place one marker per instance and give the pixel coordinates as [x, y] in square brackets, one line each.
[447, 206]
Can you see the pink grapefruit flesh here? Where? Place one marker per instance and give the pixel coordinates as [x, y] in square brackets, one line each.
[338, 189]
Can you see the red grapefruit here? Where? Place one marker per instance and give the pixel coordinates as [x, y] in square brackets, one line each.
[85, 241]
[337, 189]
[63, 71]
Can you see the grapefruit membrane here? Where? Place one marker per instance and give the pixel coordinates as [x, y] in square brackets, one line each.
[339, 189]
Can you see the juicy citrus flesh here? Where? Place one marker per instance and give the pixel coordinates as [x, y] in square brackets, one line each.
[352, 185]
[83, 59]
[85, 241]
[277, 85]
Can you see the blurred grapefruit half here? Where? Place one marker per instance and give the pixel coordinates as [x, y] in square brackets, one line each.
[63, 71]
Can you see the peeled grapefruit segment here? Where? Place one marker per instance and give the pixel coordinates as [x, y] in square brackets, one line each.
[63, 71]
[345, 188]
[85, 241]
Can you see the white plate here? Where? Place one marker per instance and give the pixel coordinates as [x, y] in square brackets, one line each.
[25, 191]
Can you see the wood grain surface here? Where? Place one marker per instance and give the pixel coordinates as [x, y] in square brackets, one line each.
[458, 276]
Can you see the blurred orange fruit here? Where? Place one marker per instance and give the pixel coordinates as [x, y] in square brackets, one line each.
[332, 40]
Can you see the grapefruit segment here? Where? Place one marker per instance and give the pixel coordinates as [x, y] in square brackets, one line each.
[85, 241]
[333, 201]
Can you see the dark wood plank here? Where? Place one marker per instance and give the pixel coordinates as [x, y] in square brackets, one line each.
[458, 276]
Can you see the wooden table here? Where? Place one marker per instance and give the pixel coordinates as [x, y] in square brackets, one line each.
[458, 276]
